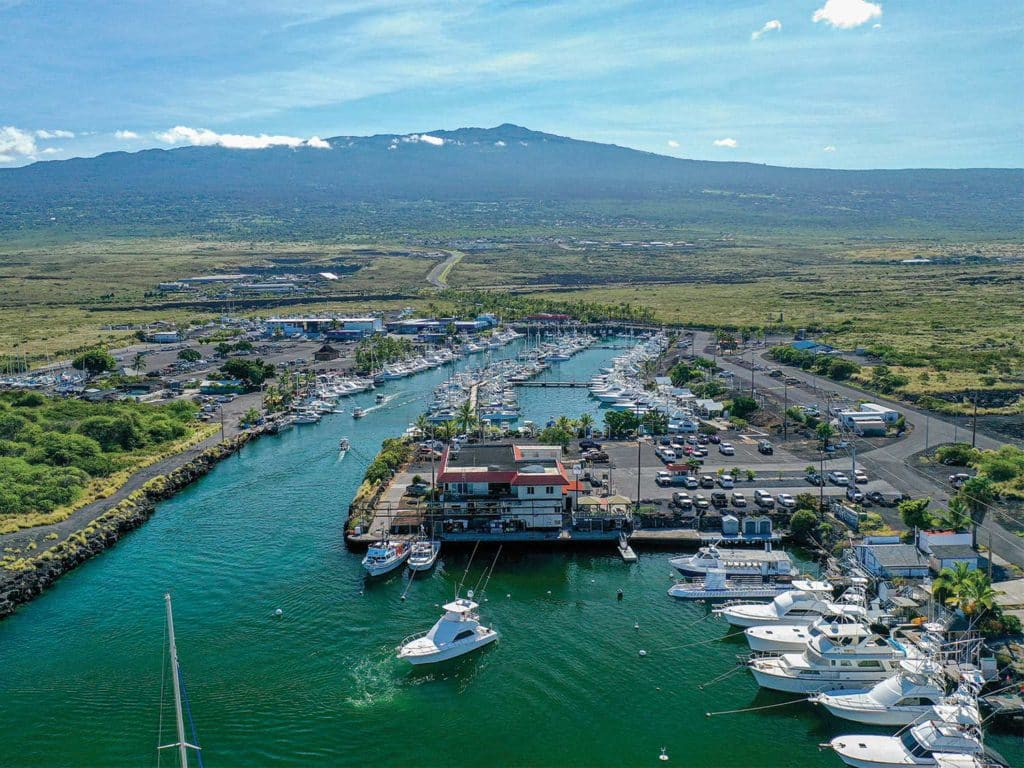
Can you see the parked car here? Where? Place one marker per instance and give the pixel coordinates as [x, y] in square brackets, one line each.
[702, 440]
[815, 478]
[664, 441]
[726, 481]
[588, 444]
[838, 478]
[700, 452]
[598, 457]
[707, 481]
[860, 476]
[417, 489]
[691, 482]
[763, 499]
[738, 499]
[959, 479]
[682, 499]
[786, 501]
[726, 449]
[663, 478]
[714, 439]
[701, 503]
[877, 497]
[775, 373]
[854, 495]
[667, 455]
[719, 500]
[765, 447]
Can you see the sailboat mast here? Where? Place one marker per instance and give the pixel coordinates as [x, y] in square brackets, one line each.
[182, 745]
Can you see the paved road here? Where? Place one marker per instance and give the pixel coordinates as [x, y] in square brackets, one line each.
[435, 279]
[889, 462]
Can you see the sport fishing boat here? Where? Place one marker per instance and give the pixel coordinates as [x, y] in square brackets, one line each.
[384, 556]
[358, 413]
[423, 554]
[952, 739]
[736, 562]
[456, 633]
[908, 697]
[803, 604]
[344, 444]
[847, 619]
[830, 664]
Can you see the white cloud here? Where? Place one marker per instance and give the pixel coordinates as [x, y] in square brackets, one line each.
[673, 143]
[499, 143]
[876, 26]
[769, 26]
[829, 148]
[730, 143]
[56, 134]
[15, 143]
[204, 137]
[126, 135]
[847, 14]
[52, 151]
[426, 138]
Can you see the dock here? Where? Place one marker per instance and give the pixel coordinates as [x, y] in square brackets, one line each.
[552, 383]
[626, 551]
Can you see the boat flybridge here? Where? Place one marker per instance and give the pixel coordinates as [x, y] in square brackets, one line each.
[908, 697]
[847, 619]
[806, 602]
[953, 738]
[456, 633]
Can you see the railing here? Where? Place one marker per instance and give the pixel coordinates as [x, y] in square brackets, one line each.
[410, 638]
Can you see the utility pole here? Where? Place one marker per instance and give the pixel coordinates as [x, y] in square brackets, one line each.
[821, 483]
[751, 372]
[222, 423]
[927, 421]
[974, 422]
[785, 411]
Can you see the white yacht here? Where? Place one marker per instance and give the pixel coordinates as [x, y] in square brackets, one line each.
[423, 554]
[457, 632]
[736, 562]
[358, 413]
[830, 664]
[385, 556]
[908, 697]
[953, 739]
[846, 620]
[806, 602]
[715, 586]
[344, 444]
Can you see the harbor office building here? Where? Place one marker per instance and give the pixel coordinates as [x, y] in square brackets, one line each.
[513, 491]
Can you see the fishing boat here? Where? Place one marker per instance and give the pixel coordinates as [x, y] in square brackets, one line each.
[846, 620]
[423, 554]
[715, 586]
[178, 682]
[358, 413]
[905, 698]
[306, 417]
[736, 562]
[344, 444]
[456, 633]
[384, 556]
[802, 604]
[952, 739]
[380, 397]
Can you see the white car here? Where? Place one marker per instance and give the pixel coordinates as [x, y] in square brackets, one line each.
[854, 495]
[726, 481]
[860, 476]
[838, 478]
[786, 501]
[726, 449]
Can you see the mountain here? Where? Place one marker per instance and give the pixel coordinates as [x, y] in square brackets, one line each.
[304, 191]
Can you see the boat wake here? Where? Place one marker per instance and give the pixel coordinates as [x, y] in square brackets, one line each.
[373, 681]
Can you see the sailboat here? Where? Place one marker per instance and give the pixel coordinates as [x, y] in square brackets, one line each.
[178, 681]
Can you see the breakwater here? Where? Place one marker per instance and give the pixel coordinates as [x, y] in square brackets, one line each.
[28, 577]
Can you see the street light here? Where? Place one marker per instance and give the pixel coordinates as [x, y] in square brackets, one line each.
[577, 472]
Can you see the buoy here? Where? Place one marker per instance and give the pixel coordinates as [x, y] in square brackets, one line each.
[643, 653]
[278, 612]
[664, 755]
[509, 595]
[403, 598]
[636, 625]
[549, 591]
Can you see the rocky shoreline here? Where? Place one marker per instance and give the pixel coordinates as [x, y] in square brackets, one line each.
[30, 576]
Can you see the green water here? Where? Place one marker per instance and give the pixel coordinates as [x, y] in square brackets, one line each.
[80, 668]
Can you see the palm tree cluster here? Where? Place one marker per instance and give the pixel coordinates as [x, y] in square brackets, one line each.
[960, 587]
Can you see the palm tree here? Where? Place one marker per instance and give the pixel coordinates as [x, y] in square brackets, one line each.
[566, 425]
[957, 517]
[465, 418]
[959, 586]
[978, 494]
[585, 423]
[950, 582]
[978, 595]
[424, 426]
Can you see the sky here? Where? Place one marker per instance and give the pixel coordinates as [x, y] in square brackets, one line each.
[811, 83]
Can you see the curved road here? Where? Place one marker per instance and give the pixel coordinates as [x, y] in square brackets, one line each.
[438, 275]
[889, 462]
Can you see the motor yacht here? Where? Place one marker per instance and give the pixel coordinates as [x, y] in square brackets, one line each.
[456, 633]
[715, 586]
[848, 617]
[384, 556]
[907, 697]
[344, 444]
[736, 562]
[806, 602]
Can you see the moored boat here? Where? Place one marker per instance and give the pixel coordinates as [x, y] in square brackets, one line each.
[384, 556]
[423, 554]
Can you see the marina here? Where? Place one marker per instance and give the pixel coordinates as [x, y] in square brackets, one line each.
[262, 534]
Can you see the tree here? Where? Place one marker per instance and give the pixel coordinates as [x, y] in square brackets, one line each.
[742, 406]
[94, 362]
[803, 525]
[807, 501]
[251, 416]
[190, 355]
[465, 417]
[824, 432]
[223, 349]
[959, 586]
[956, 454]
[655, 422]
[957, 517]
[620, 423]
[585, 423]
[978, 494]
[252, 372]
[914, 513]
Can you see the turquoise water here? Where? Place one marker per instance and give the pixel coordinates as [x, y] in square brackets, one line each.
[80, 668]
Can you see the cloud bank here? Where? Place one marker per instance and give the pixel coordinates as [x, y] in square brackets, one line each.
[126, 135]
[730, 143]
[769, 26]
[16, 144]
[673, 143]
[847, 14]
[204, 137]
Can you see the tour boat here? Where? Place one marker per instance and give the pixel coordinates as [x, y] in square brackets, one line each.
[807, 601]
[952, 739]
[344, 444]
[423, 554]
[766, 564]
[358, 413]
[905, 698]
[456, 633]
[830, 664]
[716, 586]
[384, 556]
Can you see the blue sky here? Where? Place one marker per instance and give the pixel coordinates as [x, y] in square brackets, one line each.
[837, 83]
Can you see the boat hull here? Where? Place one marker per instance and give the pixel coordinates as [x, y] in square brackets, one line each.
[823, 683]
[379, 569]
[753, 620]
[451, 652]
[894, 716]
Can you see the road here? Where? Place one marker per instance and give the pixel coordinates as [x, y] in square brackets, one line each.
[438, 275]
[889, 462]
